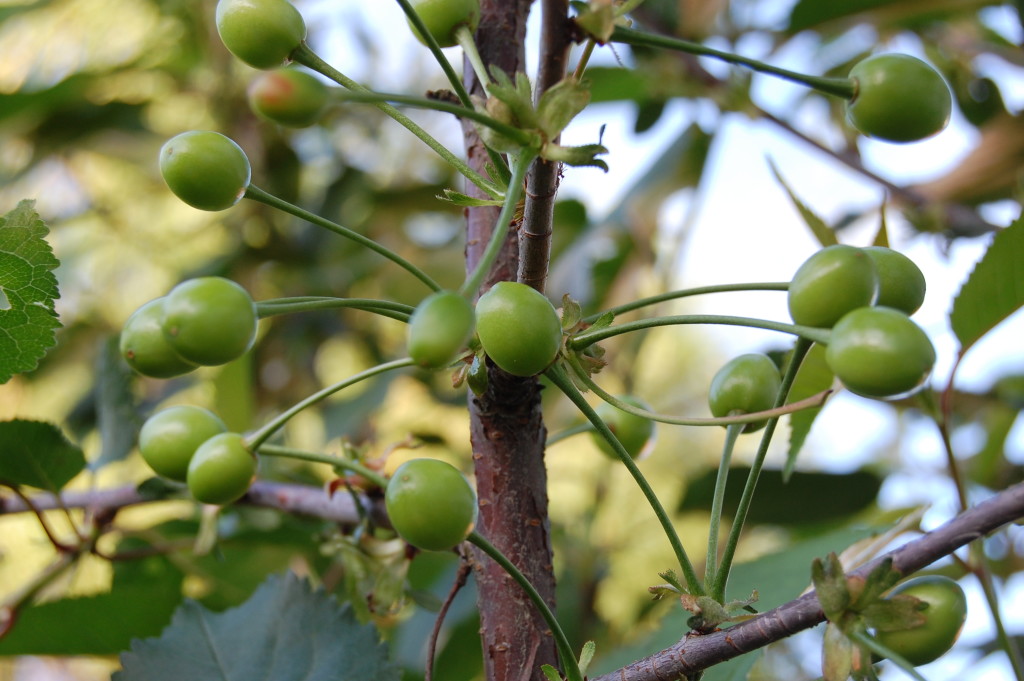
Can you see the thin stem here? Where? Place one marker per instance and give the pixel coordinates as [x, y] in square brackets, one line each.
[9, 610]
[558, 376]
[305, 56]
[811, 402]
[521, 136]
[333, 461]
[256, 440]
[565, 652]
[520, 165]
[60, 546]
[569, 432]
[435, 49]
[884, 651]
[256, 194]
[465, 39]
[840, 87]
[586, 338]
[732, 434]
[581, 65]
[461, 576]
[279, 306]
[687, 292]
[800, 351]
[1006, 642]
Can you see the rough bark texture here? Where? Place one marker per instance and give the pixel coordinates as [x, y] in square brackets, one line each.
[507, 431]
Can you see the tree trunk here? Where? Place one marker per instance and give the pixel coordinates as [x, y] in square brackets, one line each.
[507, 429]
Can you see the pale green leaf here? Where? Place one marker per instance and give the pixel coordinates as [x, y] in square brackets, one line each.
[994, 290]
[28, 289]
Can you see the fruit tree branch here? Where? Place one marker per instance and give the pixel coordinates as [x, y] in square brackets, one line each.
[696, 653]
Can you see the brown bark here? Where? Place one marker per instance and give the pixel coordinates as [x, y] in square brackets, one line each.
[507, 430]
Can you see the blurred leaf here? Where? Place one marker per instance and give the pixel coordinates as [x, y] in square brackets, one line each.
[824, 497]
[811, 14]
[37, 454]
[648, 114]
[821, 231]
[813, 376]
[285, 631]
[28, 289]
[736, 669]
[993, 291]
[115, 406]
[989, 172]
[69, 626]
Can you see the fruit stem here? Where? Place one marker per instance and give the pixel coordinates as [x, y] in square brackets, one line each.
[521, 136]
[435, 49]
[884, 651]
[278, 306]
[581, 65]
[569, 432]
[465, 39]
[839, 87]
[333, 461]
[558, 376]
[687, 292]
[257, 439]
[717, 588]
[582, 340]
[814, 401]
[307, 57]
[732, 434]
[256, 194]
[569, 663]
[520, 165]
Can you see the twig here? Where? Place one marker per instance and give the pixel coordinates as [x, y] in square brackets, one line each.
[465, 567]
[697, 653]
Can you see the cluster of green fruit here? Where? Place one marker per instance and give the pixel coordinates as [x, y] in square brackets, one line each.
[192, 445]
[864, 295]
[205, 321]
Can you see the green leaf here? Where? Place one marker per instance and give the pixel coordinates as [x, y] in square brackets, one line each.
[460, 199]
[993, 291]
[28, 289]
[822, 232]
[115, 406]
[833, 496]
[587, 656]
[69, 626]
[284, 631]
[813, 376]
[550, 673]
[37, 454]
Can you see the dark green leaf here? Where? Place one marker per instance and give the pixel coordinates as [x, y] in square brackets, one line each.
[37, 454]
[28, 290]
[69, 626]
[813, 376]
[115, 406]
[832, 496]
[994, 290]
[822, 232]
[286, 631]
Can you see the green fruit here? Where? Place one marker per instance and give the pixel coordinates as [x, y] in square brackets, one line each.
[145, 348]
[205, 169]
[440, 328]
[944, 617]
[221, 470]
[879, 352]
[209, 320]
[443, 17]
[746, 384]
[635, 433]
[519, 328]
[170, 437]
[262, 33]
[289, 97]
[430, 504]
[830, 283]
[901, 284]
[898, 98]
